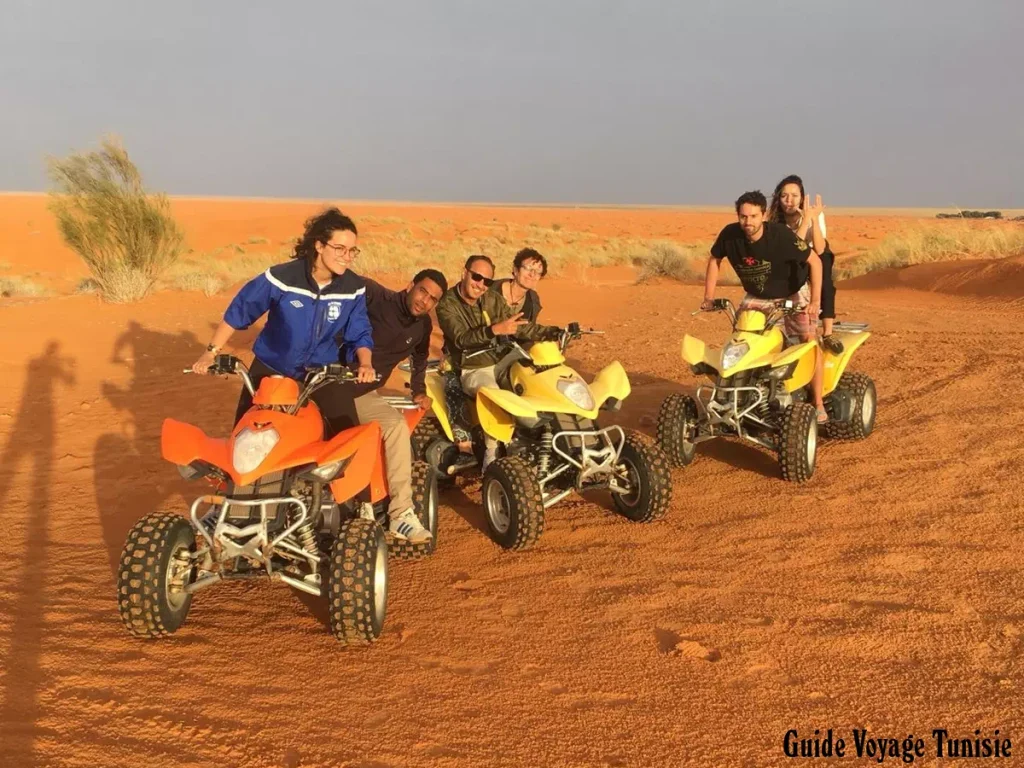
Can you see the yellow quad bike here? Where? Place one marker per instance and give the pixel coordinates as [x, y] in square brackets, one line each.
[544, 416]
[760, 392]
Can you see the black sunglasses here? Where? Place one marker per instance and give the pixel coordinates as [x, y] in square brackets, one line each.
[488, 281]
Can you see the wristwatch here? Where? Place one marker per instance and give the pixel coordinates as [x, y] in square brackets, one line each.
[212, 348]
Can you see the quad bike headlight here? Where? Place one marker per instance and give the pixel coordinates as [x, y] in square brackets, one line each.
[330, 472]
[782, 372]
[578, 392]
[733, 353]
[251, 448]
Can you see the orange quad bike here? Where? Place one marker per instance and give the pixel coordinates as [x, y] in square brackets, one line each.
[285, 504]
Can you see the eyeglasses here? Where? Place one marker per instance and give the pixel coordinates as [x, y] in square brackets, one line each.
[477, 277]
[532, 271]
[341, 250]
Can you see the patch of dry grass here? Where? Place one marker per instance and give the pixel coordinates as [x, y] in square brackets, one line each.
[208, 274]
[925, 244]
[14, 285]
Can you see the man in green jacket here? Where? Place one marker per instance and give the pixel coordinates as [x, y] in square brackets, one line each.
[470, 316]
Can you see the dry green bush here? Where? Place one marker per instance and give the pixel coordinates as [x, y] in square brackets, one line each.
[125, 235]
[665, 259]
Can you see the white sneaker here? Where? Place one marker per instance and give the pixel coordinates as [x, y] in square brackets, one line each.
[366, 511]
[407, 526]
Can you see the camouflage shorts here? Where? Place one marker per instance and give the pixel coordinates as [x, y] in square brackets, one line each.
[796, 326]
[456, 402]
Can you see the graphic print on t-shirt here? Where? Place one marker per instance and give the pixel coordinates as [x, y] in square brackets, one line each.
[753, 272]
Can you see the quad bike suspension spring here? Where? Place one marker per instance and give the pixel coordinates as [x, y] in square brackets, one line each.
[544, 452]
[763, 410]
[306, 537]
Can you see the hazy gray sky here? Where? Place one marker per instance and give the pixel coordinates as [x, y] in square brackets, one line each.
[874, 102]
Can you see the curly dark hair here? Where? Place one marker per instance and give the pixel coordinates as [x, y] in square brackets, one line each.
[775, 209]
[319, 228]
[752, 198]
[529, 254]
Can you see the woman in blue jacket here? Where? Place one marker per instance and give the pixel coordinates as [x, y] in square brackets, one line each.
[316, 315]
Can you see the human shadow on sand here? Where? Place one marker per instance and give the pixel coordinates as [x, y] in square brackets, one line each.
[29, 451]
[131, 479]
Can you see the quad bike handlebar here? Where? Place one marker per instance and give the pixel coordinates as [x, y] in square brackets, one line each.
[562, 335]
[780, 308]
[231, 366]
[316, 376]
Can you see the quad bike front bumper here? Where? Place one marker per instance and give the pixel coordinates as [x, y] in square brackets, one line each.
[723, 413]
[594, 454]
[226, 542]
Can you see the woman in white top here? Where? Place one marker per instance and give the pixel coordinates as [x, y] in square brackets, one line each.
[791, 206]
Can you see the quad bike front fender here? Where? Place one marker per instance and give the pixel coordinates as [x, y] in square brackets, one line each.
[695, 352]
[835, 365]
[182, 443]
[804, 356]
[610, 381]
[497, 411]
[435, 391]
[363, 445]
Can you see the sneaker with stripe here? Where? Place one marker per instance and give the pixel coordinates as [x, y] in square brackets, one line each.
[407, 526]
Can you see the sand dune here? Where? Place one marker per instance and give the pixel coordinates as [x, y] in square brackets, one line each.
[1002, 278]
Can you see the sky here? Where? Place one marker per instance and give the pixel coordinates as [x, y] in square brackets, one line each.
[874, 102]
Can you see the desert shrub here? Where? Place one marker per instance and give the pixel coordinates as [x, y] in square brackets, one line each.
[686, 263]
[971, 215]
[666, 259]
[125, 235]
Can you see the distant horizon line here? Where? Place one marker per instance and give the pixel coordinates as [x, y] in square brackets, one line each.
[710, 207]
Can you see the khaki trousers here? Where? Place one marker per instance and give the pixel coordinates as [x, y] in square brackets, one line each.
[472, 382]
[474, 379]
[397, 448]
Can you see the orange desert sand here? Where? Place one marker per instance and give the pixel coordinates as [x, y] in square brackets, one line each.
[887, 593]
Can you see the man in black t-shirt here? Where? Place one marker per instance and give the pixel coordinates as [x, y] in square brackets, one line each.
[772, 263]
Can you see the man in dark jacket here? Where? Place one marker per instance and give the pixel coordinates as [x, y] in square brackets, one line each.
[470, 316]
[401, 328]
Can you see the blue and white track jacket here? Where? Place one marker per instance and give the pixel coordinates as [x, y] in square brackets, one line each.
[307, 325]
